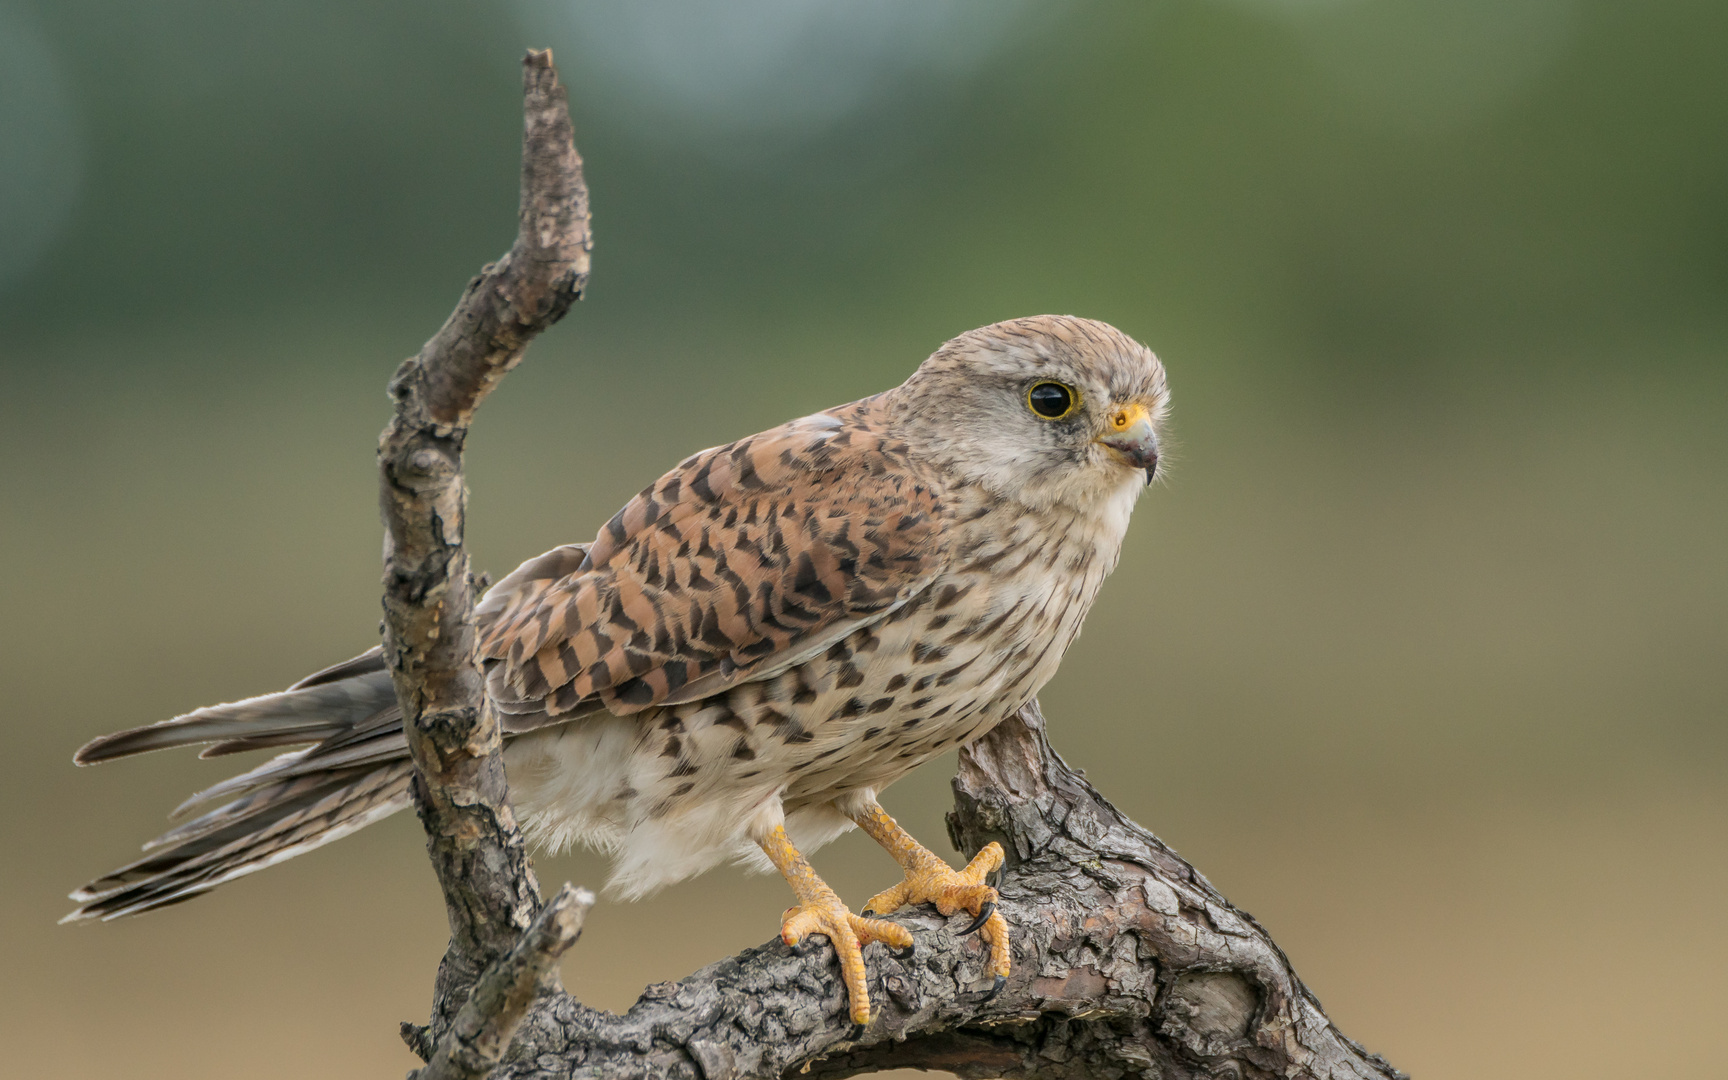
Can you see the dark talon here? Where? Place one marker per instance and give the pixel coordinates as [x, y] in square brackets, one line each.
[1001, 981]
[868, 914]
[903, 954]
[856, 1033]
[983, 917]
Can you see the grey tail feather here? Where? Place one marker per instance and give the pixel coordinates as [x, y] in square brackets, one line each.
[326, 704]
[367, 663]
[259, 829]
[357, 773]
[328, 756]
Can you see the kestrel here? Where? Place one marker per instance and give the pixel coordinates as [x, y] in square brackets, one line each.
[750, 651]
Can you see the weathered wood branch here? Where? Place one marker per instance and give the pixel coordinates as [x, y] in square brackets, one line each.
[482, 1030]
[429, 637]
[1127, 962]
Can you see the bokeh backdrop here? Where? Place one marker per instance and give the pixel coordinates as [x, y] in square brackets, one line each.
[1421, 653]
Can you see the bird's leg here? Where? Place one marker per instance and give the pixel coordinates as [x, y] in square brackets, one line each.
[929, 879]
[819, 911]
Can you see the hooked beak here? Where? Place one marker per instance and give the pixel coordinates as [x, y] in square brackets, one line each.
[1130, 437]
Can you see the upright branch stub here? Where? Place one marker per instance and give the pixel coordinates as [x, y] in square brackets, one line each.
[480, 1032]
[429, 637]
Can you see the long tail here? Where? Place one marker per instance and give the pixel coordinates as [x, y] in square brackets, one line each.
[357, 772]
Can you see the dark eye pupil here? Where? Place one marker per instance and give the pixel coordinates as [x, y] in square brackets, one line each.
[1050, 399]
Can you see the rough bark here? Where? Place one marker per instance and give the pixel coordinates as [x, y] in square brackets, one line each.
[483, 1028]
[429, 636]
[1126, 961]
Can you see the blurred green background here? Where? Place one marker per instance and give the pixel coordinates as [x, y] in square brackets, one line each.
[1421, 653]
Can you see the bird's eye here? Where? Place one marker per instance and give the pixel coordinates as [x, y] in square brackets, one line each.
[1052, 400]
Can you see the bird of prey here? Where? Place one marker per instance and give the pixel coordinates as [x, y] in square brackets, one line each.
[747, 654]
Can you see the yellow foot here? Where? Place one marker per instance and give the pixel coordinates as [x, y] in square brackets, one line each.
[849, 934]
[952, 891]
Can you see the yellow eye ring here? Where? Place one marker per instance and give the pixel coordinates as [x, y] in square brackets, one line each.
[1050, 400]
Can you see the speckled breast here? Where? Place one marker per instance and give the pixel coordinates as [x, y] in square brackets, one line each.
[940, 670]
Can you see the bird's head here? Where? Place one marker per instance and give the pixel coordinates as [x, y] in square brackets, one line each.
[1046, 409]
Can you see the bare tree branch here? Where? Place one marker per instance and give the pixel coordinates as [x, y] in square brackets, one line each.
[1127, 962]
[429, 638]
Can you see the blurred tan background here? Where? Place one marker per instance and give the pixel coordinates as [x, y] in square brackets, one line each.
[1421, 654]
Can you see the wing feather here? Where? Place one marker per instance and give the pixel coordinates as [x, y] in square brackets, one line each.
[734, 565]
